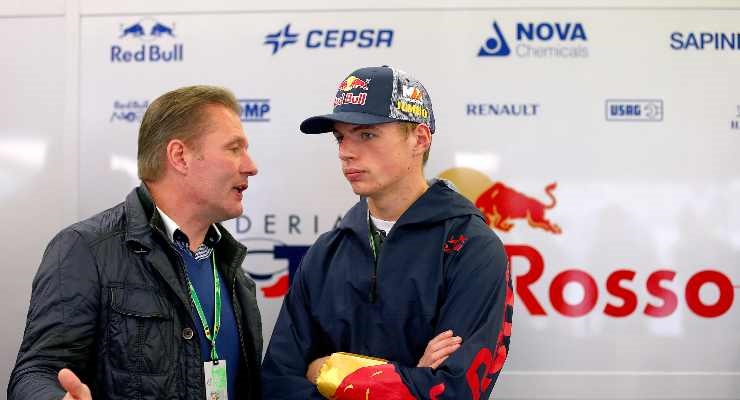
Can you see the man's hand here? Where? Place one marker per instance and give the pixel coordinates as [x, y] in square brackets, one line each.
[439, 349]
[76, 390]
[313, 369]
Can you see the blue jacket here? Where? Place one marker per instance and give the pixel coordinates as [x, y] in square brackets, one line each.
[439, 268]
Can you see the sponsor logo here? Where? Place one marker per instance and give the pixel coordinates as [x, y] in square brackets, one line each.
[322, 38]
[128, 111]
[254, 110]
[454, 244]
[147, 41]
[662, 302]
[272, 262]
[700, 41]
[503, 109]
[500, 203]
[634, 110]
[542, 39]
[352, 83]
[349, 98]
[280, 39]
[412, 108]
[412, 93]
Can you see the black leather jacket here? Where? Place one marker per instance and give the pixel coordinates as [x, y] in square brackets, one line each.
[109, 301]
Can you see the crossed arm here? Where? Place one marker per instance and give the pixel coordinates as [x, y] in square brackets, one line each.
[437, 351]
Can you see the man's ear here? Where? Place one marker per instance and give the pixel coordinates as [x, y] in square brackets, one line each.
[177, 155]
[423, 138]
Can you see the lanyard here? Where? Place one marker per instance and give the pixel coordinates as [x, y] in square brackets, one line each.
[217, 307]
[376, 239]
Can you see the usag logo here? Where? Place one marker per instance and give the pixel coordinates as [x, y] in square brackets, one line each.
[645, 110]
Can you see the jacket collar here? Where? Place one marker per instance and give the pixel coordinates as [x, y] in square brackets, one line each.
[438, 203]
[142, 220]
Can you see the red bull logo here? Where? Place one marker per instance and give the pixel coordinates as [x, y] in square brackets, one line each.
[500, 203]
[352, 83]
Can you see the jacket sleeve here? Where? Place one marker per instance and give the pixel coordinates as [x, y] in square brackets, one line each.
[478, 308]
[61, 321]
[293, 345]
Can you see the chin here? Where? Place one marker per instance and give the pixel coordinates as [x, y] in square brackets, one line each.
[362, 190]
[233, 212]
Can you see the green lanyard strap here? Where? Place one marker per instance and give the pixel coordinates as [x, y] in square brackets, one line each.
[217, 307]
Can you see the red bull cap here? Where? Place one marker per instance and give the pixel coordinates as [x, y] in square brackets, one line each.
[376, 95]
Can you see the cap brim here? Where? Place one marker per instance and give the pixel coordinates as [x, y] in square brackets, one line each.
[325, 123]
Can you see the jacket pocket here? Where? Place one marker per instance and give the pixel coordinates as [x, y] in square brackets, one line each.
[140, 331]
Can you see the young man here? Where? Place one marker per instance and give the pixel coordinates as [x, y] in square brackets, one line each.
[408, 267]
[147, 300]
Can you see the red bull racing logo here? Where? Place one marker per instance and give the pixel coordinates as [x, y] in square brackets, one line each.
[344, 95]
[154, 42]
[352, 83]
[501, 203]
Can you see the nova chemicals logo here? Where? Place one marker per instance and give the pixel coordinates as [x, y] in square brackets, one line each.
[634, 110]
[147, 40]
[321, 38]
[542, 39]
[254, 110]
[718, 41]
[128, 111]
[495, 46]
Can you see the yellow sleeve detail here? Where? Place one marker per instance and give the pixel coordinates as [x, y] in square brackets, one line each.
[338, 367]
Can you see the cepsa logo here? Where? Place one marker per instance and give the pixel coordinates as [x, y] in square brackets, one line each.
[320, 38]
[501, 205]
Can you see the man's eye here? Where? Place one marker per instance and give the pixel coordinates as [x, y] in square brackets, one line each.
[367, 135]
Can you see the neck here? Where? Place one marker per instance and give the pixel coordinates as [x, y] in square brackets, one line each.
[175, 204]
[390, 206]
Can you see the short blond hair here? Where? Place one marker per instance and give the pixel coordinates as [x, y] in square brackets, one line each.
[178, 114]
[406, 129]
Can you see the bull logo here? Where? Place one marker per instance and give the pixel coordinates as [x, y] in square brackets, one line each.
[135, 30]
[147, 30]
[160, 29]
[500, 203]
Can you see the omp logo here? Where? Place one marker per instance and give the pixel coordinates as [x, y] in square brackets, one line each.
[542, 39]
[144, 33]
[634, 110]
[254, 110]
[321, 38]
